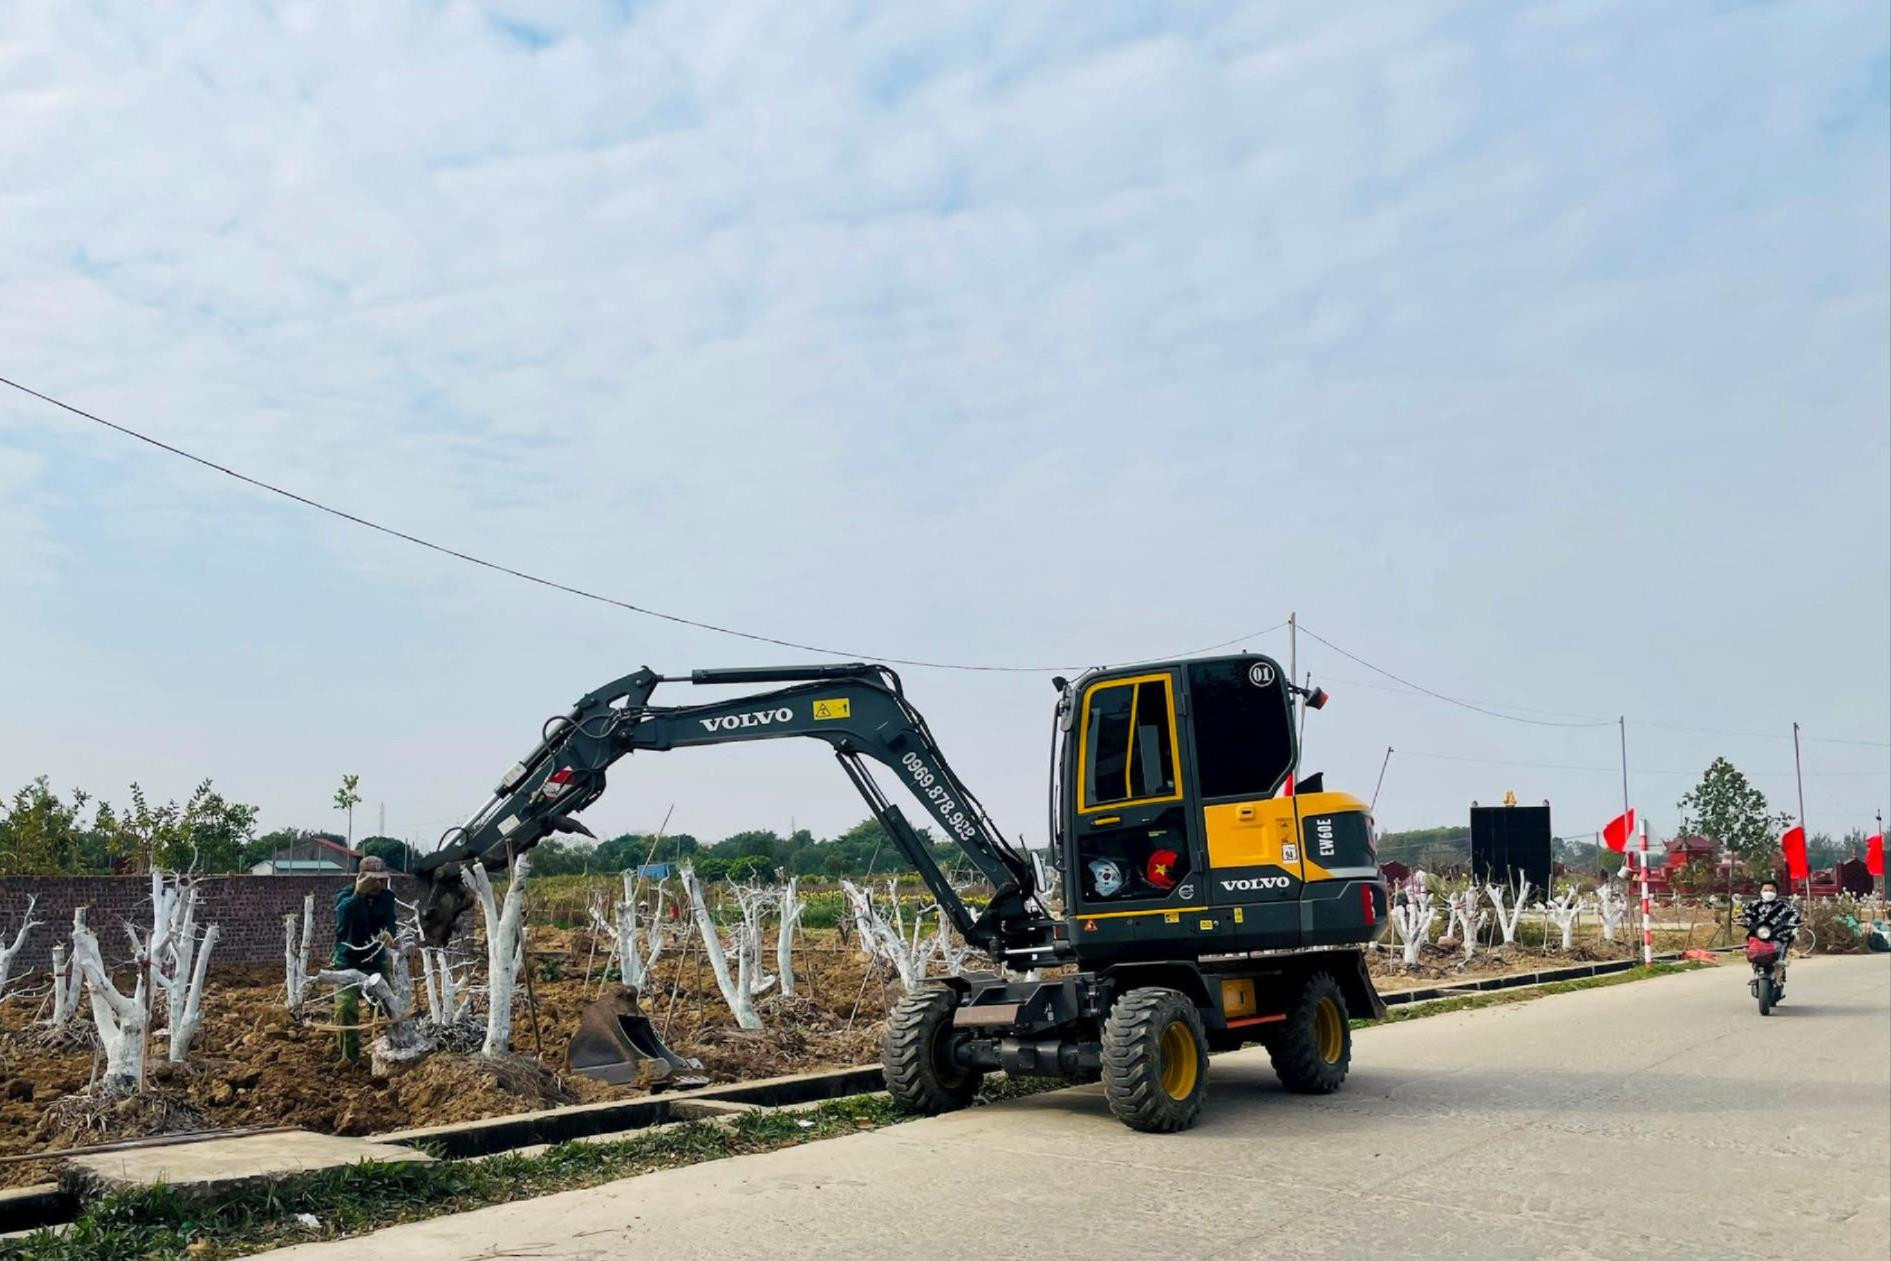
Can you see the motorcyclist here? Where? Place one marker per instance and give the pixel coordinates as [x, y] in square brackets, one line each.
[1780, 916]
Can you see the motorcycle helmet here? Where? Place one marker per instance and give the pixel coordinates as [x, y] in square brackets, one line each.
[1160, 870]
[1106, 878]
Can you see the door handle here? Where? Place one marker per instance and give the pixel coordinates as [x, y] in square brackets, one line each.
[1244, 812]
[1109, 821]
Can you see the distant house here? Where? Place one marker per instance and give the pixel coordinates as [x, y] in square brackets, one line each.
[1684, 851]
[310, 856]
[654, 871]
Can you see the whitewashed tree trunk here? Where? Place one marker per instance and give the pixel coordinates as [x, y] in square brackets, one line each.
[374, 986]
[1413, 922]
[187, 1018]
[789, 922]
[1612, 906]
[1507, 921]
[8, 953]
[1467, 918]
[1564, 910]
[68, 981]
[121, 1020]
[295, 954]
[505, 947]
[635, 945]
[887, 939]
[735, 988]
[447, 994]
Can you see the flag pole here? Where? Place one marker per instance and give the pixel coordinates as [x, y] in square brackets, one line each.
[1647, 925]
[1800, 776]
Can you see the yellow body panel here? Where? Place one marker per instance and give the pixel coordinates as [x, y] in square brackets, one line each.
[1255, 833]
[1237, 999]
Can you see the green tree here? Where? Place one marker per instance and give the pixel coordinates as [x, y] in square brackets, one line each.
[748, 844]
[1724, 807]
[208, 832]
[346, 798]
[41, 834]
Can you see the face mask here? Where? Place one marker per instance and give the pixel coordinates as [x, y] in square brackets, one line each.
[1767, 895]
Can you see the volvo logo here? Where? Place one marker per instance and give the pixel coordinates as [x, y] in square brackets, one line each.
[1256, 883]
[735, 722]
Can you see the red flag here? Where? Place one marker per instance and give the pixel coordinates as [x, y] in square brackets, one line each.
[1616, 831]
[1286, 789]
[1874, 854]
[1794, 843]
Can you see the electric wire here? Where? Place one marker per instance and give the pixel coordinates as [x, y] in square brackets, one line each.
[552, 584]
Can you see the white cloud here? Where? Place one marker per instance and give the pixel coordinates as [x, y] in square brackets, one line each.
[915, 330]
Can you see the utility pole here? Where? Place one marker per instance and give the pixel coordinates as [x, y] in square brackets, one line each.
[1293, 653]
[1800, 776]
[1622, 723]
[1381, 784]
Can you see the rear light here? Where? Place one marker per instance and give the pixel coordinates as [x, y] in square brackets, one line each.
[556, 782]
[1367, 905]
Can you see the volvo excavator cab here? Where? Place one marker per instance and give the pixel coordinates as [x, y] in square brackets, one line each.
[1174, 835]
[1202, 907]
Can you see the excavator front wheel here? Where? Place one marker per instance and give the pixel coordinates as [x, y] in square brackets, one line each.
[1155, 1060]
[1314, 1046]
[916, 1056]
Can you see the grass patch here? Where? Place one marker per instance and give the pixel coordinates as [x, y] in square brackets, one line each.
[159, 1224]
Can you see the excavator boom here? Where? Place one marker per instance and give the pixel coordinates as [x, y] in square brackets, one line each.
[858, 709]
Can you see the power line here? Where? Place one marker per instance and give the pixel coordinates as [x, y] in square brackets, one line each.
[553, 584]
[1605, 770]
[1485, 707]
[1463, 704]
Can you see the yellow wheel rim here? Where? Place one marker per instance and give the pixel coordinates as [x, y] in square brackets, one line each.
[1329, 1030]
[1176, 1061]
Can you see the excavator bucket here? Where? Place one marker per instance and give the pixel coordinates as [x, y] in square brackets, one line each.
[616, 1043]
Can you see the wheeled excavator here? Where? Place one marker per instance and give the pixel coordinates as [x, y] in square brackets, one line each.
[1202, 908]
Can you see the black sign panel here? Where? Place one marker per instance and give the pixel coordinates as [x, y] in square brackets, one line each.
[1511, 842]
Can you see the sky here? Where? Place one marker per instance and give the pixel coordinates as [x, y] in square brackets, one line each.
[1538, 355]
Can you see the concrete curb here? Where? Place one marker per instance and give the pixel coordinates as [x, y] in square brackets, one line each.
[585, 1120]
[29, 1208]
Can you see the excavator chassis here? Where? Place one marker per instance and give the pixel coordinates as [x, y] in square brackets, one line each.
[1145, 1029]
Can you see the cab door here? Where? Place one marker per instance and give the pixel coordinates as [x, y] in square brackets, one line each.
[1136, 852]
[1242, 744]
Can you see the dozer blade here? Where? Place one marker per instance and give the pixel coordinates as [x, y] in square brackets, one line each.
[616, 1043]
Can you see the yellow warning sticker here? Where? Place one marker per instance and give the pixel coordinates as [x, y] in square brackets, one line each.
[1237, 916]
[1172, 917]
[1208, 926]
[837, 707]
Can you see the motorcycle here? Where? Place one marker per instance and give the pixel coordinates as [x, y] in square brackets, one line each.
[1768, 957]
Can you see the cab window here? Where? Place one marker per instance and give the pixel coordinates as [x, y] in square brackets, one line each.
[1128, 742]
[1243, 727]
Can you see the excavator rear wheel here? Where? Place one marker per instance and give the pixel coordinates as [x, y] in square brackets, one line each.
[1314, 1045]
[1155, 1060]
[916, 1056]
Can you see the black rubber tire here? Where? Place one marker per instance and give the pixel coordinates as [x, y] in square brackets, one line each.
[918, 1075]
[1765, 988]
[1301, 1047]
[1148, 1088]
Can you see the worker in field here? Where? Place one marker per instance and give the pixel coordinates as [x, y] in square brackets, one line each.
[364, 938]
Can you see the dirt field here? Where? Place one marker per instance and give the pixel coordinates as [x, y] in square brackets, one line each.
[256, 1065]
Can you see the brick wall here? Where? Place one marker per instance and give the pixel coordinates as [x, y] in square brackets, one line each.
[247, 909]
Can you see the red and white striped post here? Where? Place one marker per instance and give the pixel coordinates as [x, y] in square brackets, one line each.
[1647, 921]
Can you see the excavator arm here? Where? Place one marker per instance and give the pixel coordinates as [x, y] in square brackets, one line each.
[858, 709]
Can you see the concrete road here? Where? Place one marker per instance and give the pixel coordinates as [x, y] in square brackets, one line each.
[1658, 1119]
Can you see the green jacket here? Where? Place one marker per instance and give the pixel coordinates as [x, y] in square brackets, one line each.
[359, 920]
